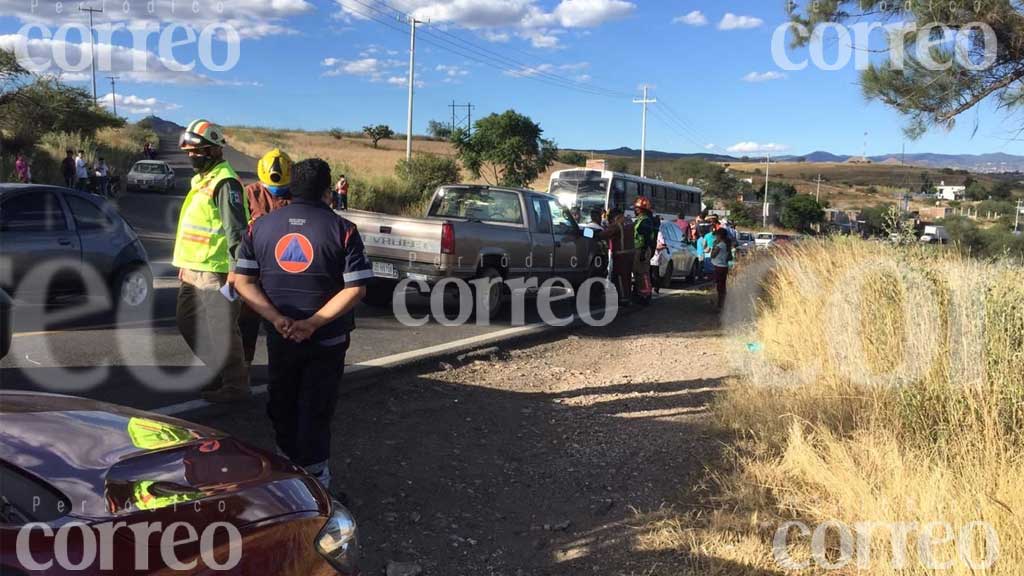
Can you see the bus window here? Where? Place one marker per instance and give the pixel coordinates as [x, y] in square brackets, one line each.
[632, 191]
[618, 193]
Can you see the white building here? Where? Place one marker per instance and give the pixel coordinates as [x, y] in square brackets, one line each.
[949, 192]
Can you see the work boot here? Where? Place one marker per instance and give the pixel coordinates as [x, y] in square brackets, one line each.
[226, 395]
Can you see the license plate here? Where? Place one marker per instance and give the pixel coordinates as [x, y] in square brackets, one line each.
[384, 270]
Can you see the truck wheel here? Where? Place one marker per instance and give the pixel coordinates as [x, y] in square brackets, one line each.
[379, 293]
[496, 296]
[694, 271]
[670, 270]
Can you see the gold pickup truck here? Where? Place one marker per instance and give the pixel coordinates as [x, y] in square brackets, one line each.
[473, 231]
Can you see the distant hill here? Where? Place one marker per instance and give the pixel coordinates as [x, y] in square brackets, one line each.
[983, 163]
[161, 126]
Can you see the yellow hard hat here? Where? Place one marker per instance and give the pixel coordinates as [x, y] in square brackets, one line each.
[275, 170]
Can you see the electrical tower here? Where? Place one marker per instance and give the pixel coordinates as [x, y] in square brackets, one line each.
[462, 116]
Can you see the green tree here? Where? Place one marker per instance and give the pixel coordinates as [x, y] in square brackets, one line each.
[926, 184]
[739, 213]
[1003, 190]
[509, 145]
[976, 191]
[572, 157]
[874, 218]
[439, 130]
[425, 172]
[779, 193]
[933, 96]
[801, 212]
[378, 133]
[336, 133]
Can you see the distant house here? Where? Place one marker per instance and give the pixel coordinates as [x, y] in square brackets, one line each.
[934, 213]
[950, 192]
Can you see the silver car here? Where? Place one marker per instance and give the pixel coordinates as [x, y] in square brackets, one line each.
[58, 241]
[151, 175]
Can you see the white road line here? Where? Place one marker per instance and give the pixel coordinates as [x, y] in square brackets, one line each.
[397, 359]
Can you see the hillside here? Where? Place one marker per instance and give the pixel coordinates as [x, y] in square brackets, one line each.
[355, 155]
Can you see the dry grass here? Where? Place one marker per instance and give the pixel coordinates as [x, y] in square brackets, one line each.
[356, 156]
[889, 389]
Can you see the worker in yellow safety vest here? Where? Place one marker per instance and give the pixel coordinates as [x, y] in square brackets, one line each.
[214, 216]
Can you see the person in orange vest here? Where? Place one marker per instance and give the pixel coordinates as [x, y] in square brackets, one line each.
[270, 192]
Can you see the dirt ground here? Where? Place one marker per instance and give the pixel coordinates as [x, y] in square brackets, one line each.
[541, 459]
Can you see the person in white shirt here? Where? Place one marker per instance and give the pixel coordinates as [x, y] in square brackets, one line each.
[81, 171]
[102, 173]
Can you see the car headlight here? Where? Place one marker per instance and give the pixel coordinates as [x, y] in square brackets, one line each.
[338, 540]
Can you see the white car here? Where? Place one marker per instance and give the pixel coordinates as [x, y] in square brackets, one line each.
[151, 175]
[764, 240]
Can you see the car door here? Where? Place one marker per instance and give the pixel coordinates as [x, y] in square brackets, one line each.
[35, 231]
[542, 245]
[101, 239]
[570, 247]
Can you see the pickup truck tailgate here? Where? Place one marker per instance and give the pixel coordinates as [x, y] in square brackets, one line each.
[398, 238]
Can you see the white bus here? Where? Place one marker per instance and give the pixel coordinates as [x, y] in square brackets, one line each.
[588, 189]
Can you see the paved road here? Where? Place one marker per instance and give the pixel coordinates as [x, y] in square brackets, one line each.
[147, 365]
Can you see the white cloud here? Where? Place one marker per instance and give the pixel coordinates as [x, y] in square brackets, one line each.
[695, 18]
[251, 18]
[452, 73]
[573, 69]
[590, 13]
[710, 146]
[733, 22]
[136, 105]
[756, 147]
[763, 76]
[499, 19]
[130, 64]
[387, 71]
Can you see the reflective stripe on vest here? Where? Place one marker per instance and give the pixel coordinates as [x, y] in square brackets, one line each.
[200, 243]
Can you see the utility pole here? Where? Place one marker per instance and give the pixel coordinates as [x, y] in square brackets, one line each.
[113, 91]
[817, 194]
[1016, 219]
[92, 52]
[412, 81]
[453, 116]
[764, 212]
[643, 131]
[458, 118]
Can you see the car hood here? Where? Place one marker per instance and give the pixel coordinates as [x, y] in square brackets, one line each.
[110, 461]
[141, 176]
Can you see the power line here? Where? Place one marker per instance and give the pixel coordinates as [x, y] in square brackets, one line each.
[480, 55]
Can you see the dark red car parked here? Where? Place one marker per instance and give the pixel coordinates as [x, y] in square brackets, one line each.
[92, 488]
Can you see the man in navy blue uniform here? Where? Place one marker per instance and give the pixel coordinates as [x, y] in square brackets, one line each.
[302, 268]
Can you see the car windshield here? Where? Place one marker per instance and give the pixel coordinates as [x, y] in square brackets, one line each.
[478, 204]
[148, 168]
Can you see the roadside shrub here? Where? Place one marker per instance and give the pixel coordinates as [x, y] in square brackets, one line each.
[425, 172]
[387, 195]
[572, 157]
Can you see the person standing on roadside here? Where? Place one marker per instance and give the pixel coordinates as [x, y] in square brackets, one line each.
[102, 172]
[645, 236]
[264, 196]
[302, 268]
[721, 255]
[22, 169]
[81, 172]
[619, 235]
[341, 194]
[214, 217]
[67, 168]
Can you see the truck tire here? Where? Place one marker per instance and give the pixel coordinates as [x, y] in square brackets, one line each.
[496, 296]
[379, 293]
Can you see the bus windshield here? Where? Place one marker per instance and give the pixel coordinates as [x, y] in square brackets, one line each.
[583, 194]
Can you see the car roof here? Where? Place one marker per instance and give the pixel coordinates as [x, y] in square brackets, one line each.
[151, 162]
[6, 188]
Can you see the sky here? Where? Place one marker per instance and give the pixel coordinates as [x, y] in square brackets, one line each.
[574, 66]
